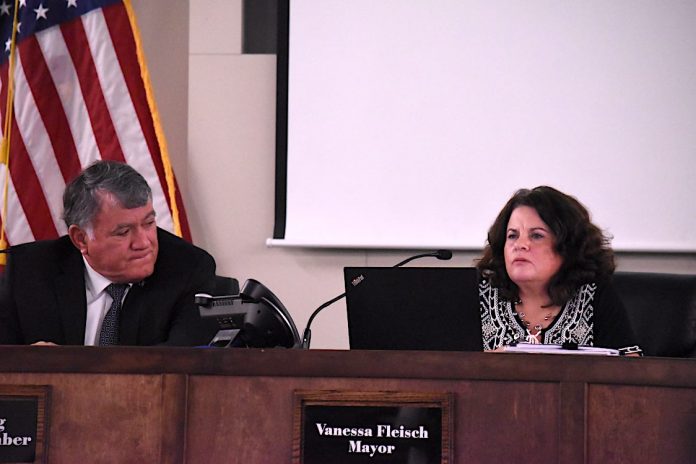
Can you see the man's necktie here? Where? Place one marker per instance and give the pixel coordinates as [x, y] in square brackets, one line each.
[109, 328]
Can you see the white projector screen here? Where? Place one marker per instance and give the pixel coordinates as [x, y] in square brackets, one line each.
[410, 123]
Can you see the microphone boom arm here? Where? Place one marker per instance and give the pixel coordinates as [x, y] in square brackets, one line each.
[307, 335]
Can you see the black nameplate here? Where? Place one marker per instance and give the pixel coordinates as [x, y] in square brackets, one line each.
[23, 423]
[376, 427]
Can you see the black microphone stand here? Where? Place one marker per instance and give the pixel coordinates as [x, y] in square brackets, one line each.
[307, 335]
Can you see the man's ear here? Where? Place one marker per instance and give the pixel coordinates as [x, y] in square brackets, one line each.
[79, 238]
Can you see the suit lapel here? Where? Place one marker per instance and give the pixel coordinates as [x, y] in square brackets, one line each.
[70, 294]
[130, 315]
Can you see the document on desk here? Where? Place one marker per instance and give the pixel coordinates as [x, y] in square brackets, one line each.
[559, 349]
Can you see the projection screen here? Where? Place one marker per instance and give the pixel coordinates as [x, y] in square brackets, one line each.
[409, 123]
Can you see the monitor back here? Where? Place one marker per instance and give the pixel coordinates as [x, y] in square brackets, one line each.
[413, 308]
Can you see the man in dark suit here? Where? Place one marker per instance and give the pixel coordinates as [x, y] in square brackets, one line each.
[116, 278]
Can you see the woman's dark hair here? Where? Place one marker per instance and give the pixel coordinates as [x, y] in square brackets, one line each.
[586, 251]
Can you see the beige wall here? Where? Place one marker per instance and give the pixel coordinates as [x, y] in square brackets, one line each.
[218, 111]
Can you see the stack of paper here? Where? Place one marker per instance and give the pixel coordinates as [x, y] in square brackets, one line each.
[559, 349]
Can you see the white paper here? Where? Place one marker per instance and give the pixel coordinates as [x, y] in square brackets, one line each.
[558, 349]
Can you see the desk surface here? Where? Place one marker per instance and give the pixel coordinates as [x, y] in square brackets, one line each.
[350, 363]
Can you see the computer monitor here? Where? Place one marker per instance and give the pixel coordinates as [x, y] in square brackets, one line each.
[413, 308]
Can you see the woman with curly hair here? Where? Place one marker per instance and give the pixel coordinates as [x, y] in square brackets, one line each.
[546, 277]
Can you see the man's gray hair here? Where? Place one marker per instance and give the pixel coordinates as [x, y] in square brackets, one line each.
[81, 199]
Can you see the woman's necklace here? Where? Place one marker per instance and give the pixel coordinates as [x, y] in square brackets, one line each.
[535, 337]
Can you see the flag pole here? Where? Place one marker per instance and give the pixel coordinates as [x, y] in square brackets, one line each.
[7, 130]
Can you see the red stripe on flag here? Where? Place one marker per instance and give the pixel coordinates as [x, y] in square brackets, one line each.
[50, 107]
[102, 124]
[121, 33]
[28, 188]
[122, 37]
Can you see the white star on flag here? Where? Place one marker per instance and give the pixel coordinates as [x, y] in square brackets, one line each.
[41, 11]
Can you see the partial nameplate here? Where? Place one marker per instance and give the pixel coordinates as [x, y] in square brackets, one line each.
[24, 423]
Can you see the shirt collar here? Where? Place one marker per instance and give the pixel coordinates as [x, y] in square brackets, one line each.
[95, 283]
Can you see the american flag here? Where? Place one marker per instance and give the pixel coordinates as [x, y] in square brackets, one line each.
[79, 92]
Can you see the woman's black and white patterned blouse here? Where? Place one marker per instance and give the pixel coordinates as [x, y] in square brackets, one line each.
[594, 316]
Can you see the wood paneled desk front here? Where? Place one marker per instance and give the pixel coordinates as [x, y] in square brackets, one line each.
[175, 405]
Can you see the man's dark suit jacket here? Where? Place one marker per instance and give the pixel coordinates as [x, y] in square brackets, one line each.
[43, 296]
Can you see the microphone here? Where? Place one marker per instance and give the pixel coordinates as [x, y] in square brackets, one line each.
[307, 335]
